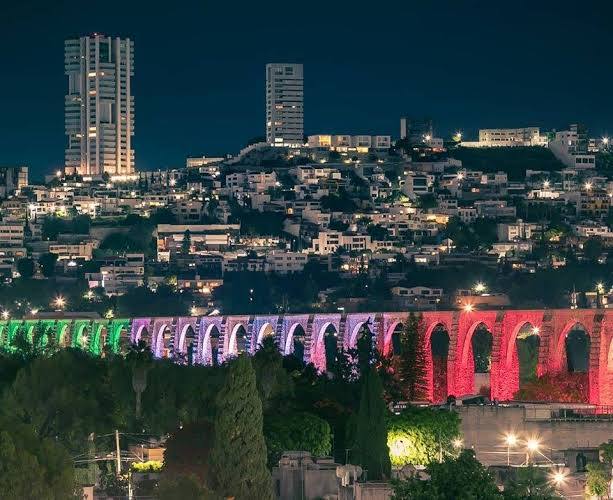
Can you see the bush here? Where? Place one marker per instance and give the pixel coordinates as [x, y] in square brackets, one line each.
[296, 431]
[417, 435]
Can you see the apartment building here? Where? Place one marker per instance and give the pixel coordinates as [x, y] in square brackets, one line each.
[99, 108]
[284, 105]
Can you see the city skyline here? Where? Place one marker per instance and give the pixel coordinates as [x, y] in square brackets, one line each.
[209, 97]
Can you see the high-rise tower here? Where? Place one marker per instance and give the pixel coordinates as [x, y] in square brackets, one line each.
[284, 105]
[99, 107]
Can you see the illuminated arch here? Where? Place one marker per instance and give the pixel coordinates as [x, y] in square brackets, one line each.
[289, 341]
[162, 341]
[233, 345]
[266, 330]
[560, 352]
[79, 337]
[211, 345]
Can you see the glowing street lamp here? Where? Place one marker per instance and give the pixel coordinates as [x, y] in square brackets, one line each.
[535, 330]
[5, 314]
[510, 440]
[468, 308]
[193, 311]
[558, 478]
[457, 443]
[546, 184]
[588, 186]
[605, 140]
[480, 287]
[59, 302]
[532, 445]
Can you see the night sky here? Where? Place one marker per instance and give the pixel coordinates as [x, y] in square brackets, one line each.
[199, 69]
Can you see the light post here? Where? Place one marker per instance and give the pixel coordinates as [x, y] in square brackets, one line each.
[511, 440]
[532, 445]
[60, 303]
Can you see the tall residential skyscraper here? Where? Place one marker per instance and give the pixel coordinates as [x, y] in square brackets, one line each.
[284, 105]
[99, 107]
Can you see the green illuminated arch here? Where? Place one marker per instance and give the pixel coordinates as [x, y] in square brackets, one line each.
[113, 339]
[62, 331]
[95, 345]
[78, 337]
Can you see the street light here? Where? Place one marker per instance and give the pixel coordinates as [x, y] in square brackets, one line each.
[558, 478]
[588, 186]
[457, 443]
[5, 314]
[511, 440]
[536, 330]
[468, 308]
[480, 287]
[59, 302]
[546, 184]
[532, 445]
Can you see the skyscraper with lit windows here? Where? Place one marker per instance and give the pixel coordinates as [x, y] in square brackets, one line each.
[284, 105]
[99, 107]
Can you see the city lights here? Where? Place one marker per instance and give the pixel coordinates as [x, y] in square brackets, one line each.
[546, 184]
[558, 478]
[110, 314]
[59, 302]
[193, 311]
[510, 440]
[588, 186]
[468, 308]
[480, 287]
[536, 330]
[5, 314]
[457, 443]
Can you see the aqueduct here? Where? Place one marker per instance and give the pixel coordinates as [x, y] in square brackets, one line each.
[213, 339]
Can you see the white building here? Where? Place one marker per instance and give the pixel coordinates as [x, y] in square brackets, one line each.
[508, 137]
[344, 143]
[570, 147]
[329, 241]
[284, 105]
[119, 275]
[515, 231]
[99, 108]
[286, 262]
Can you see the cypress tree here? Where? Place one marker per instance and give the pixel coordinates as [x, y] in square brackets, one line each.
[412, 369]
[372, 449]
[238, 457]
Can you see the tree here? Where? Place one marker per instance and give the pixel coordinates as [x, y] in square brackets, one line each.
[412, 360]
[47, 263]
[171, 488]
[455, 478]
[186, 243]
[33, 468]
[372, 450]
[25, 267]
[597, 481]
[273, 382]
[187, 452]
[238, 458]
[592, 249]
[530, 483]
[62, 397]
[296, 431]
[420, 436]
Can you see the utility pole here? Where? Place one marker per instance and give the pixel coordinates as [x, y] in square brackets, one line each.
[117, 452]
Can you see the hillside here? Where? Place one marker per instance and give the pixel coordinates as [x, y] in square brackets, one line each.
[514, 161]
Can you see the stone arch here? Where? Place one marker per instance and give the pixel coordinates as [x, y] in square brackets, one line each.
[319, 356]
[330, 349]
[610, 356]
[266, 330]
[238, 340]
[63, 335]
[97, 339]
[211, 345]
[560, 358]
[163, 341]
[438, 345]
[80, 335]
[394, 326]
[188, 342]
[296, 341]
[465, 372]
